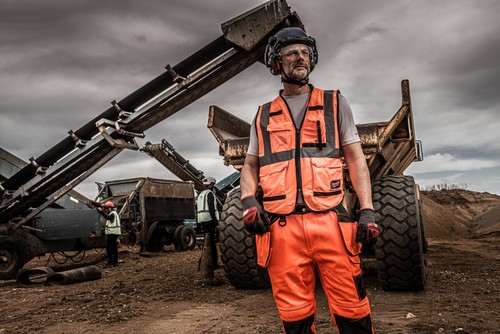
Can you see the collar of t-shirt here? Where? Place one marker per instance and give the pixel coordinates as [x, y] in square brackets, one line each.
[297, 105]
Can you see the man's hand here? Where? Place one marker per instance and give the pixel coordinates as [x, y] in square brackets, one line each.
[254, 217]
[367, 228]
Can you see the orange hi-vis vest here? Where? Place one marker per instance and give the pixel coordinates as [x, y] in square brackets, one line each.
[300, 160]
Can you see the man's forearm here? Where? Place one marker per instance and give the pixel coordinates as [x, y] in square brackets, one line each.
[249, 176]
[362, 186]
[359, 174]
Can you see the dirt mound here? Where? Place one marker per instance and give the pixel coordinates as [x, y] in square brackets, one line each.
[441, 221]
[464, 203]
[489, 222]
[449, 213]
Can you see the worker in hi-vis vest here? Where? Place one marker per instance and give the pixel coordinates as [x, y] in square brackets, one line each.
[297, 146]
[112, 230]
[207, 215]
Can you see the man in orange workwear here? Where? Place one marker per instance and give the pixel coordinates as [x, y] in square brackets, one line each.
[296, 146]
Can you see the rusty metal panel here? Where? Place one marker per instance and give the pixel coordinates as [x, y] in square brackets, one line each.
[117, 188]
[232, 134]
[167, 189]
[248, 29]
[368, 133]
[235, 150]
[158, 209]
[225, 126]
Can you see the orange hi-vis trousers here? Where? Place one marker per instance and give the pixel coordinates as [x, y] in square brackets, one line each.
[302, 241]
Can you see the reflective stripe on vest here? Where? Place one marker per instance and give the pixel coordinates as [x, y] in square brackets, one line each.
[305, 160]
[202, 208]
[113, 227]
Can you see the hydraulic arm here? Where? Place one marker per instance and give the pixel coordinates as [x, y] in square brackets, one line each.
[166, 154]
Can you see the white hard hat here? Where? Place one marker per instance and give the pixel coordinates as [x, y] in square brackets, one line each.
[209, 180]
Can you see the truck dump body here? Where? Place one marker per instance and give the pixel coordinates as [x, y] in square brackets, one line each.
[163, 199]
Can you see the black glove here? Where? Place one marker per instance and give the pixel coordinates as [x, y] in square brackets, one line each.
[367, 228]
[254, 216]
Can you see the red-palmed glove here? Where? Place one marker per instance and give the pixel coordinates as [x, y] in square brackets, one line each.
[254, 217]
[367, 228]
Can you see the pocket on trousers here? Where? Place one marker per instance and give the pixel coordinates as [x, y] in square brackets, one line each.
[263, 247]
[349, 230]
[360, 286]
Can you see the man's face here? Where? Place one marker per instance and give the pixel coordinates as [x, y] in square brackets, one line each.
[296, 61]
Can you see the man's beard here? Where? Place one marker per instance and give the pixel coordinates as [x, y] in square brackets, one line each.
[298, 74]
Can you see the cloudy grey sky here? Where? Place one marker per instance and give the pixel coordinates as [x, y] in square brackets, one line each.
[62, 62]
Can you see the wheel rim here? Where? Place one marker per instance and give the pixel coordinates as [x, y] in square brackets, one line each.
[8, 259]
[189, 238]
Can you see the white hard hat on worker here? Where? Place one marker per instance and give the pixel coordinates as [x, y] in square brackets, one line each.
[209, 180]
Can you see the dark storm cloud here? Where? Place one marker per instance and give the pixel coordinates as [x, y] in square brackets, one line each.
[63, 62]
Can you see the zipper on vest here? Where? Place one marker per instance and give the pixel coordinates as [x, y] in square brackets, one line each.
[297, 166]
[298, 173]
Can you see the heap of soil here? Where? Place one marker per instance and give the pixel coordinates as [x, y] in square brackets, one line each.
[442, 222]
[488, 223]
[459, 212]
[464, 203]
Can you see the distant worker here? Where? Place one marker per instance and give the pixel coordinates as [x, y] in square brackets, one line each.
[295, 152]
[112, 230]
[208, 216]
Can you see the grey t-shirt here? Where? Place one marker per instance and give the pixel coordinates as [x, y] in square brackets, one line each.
[297, 105]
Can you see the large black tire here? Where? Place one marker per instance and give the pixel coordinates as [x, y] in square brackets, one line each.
[400, 247]
[175, 237]
[238, 253]
[11, 257]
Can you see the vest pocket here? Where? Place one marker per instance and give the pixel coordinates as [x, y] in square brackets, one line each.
[272, 179]
[327, 176]
[281, 135]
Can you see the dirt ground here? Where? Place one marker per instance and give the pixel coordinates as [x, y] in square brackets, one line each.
[164, 293]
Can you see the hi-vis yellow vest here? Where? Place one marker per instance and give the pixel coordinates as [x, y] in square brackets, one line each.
[305, 160]
[203, 209]
[113, 227]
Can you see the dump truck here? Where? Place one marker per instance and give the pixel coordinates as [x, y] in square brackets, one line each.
[35, 187]
[389, 147]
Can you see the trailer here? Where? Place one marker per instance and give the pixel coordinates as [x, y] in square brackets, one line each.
[389, 147]
[154, 212]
